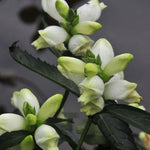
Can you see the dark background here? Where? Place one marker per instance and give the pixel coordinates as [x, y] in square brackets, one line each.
[126, 24]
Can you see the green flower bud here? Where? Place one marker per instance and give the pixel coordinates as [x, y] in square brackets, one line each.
[25, 96]
[50, 107]
[27, 143]
[11, 122]
[117, 64]
[79, 44]
[86, 27]
[118, 90]
[46, 137]
[71, 68]
[31, 119]
[40, 43]
[62, 9]
[91, 69]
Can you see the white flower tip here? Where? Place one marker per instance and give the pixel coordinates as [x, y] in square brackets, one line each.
[103, 6]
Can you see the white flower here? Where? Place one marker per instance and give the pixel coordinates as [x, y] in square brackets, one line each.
[50, 8]
[90, 11]
[54, 35]
[71, 68]
[11, 122]
[46, 137]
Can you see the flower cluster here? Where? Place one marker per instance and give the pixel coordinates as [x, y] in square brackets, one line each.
[100, 77]
[33, 120]
[73, 23]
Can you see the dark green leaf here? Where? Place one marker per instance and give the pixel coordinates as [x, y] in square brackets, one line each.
[66, 136]
[11, 139]
[42, 68]
[71, 15]
[139, 142]
[116, 131]
[55, 51]
[131, 115]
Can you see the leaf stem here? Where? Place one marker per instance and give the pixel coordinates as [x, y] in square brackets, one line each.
[66, 94]
[84, 133]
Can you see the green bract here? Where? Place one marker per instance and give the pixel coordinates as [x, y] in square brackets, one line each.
[34, 117]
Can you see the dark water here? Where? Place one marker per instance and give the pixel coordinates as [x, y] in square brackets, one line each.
[126, 24]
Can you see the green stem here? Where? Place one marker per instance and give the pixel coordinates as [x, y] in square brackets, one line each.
[84, 133]
[66, 94]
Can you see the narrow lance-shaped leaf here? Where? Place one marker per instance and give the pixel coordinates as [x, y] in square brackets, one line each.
[116, 131]
[42, 68]
[134, 116]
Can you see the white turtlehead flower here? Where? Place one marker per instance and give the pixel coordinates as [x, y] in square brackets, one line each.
[54, 35]
[91, 89]
[46, 137]
[50, 8]
[72, 68]
[118, 90]
[78, 44]
[90, 11]
[25, 95]
[11, 122]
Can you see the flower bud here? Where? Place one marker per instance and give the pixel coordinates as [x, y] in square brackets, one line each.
[50, 8]
[117, 64]
[22, 97]
[91, 88]
[79, 44]
[90, 11]
[86, 27]
[118, 90]
[27, 143]
[91, 69]
[50, 35]
[62, 8]
[31, 119]
[11, 122]
[94, 135]
[46, 137]
[104, 49]
[93, 107]
[137, 106]
[50, 107]
[40, 43]
[71, 68]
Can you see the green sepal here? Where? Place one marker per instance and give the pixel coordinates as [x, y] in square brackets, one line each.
[28, 109]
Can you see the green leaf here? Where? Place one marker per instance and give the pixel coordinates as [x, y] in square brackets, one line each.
[11, 139]
[28, 109]
[139, 142]
[116, 131]
[66, 136]
[134, 116]
[48, 71]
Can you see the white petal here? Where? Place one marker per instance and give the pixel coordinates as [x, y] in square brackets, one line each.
[25, 95]
[117, 76]
[12, 122]
[90, 11]
[118, 90]
[95, 84]
[54, 35]
[104, 49]
[49, 7]
[46, 137]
